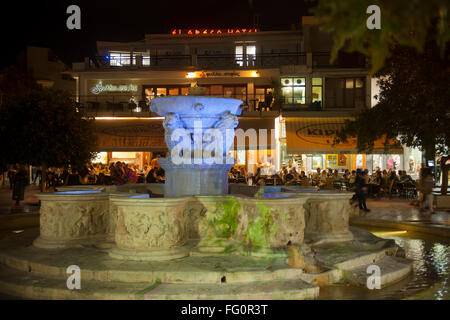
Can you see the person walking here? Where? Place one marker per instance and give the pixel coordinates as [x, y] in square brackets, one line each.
[361, 188]
[426, 186]
[11, 174]
[20, 181]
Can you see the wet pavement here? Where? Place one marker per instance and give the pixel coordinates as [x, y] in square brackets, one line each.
[401, 210]
[30, 204]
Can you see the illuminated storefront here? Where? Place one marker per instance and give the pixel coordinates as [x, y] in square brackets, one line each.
[308, 144]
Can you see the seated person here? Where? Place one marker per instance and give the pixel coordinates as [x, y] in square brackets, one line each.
[258, 179]
[303, 175]
[289, 177]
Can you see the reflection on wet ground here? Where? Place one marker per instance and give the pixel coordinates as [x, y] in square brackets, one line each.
[430, 280]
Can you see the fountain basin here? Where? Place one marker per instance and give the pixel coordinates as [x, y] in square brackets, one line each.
[149, 228]
[73, 218]
[194, 108]
[248, 225]
[326, 215]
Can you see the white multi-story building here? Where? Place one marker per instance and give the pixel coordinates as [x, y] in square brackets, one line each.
[311, 96]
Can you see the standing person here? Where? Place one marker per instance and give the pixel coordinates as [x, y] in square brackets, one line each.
[38, 175]
[426, 185]
[268, 100]
[361, 189]
[20, 181]
[11, 174]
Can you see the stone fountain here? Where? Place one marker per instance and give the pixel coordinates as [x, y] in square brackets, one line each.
[199, 131]
[198, 241]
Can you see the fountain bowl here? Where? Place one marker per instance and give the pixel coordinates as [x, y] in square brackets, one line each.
[195, 108]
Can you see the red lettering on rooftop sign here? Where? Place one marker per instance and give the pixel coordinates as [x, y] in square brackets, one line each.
[176, 32]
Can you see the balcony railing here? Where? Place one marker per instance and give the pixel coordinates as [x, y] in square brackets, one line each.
[253, 105]
[216, 61]
[121, 106]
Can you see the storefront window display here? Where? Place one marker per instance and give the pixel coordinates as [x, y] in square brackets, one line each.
[393, 162]
[317, 161]
[359, 161]
[332, 161]
[101, 157]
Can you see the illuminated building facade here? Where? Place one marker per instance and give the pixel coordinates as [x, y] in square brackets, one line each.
[284, 78]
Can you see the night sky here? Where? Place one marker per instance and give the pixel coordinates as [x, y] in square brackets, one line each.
[43, 22]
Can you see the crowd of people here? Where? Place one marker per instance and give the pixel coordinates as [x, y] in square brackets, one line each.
[116, 173]
[376, 184]
[378, 181]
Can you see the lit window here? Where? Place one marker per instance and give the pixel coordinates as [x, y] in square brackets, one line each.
[250, 55]
[293, 90]
[239, 54]
[119, 59]
[316, 89]
[145, 58]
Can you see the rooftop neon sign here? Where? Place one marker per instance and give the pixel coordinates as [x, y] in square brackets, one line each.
[200, 32]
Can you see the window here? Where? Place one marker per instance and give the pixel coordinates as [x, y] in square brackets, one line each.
[123, 155]
[229, 91]
[344, 93]
[145, 58]
[151, 92]
[239, 55]
[251, 55]
[317, 90]
[332, 160]
[247, 59]
[293, 90]
[259, 102]
[120, 59]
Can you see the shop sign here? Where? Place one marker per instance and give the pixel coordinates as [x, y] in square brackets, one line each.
[224, 74]
[322, 134]
[202, 32]
[100, 87]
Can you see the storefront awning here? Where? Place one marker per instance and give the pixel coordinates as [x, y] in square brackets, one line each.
[130, 135]
[148, 134]
[316, 135]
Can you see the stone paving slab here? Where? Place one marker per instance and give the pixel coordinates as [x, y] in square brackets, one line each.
[31, 286]
[17, 252]
[392, 270]
[268, 290]
[41, 273]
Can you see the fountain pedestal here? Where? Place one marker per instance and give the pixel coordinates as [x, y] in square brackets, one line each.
[195, 179]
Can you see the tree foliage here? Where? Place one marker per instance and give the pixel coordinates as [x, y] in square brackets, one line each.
[403, 22]
[413, 104]
[42, 127]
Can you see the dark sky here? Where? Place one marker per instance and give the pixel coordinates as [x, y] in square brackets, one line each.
[43, 22]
